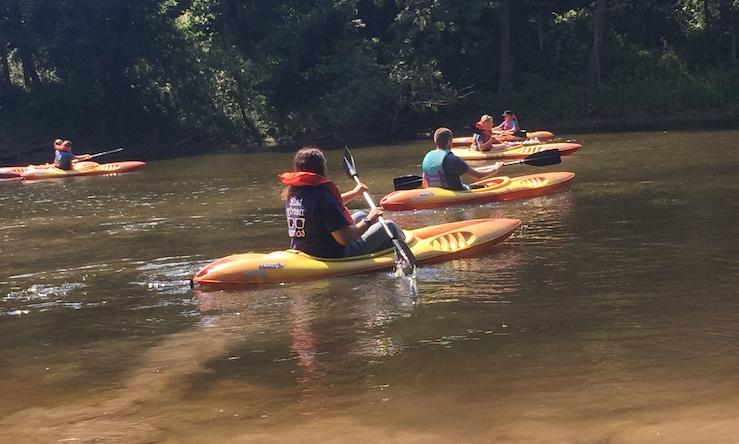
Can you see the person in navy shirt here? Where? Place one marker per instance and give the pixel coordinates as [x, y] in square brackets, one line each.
[318, 221]
[63, 156]
[443, 169]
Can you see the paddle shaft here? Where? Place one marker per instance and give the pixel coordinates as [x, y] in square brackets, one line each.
[403, 253]
[371, 203]
[106, 152]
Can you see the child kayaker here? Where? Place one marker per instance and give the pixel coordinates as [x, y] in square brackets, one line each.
[63, 156]
[508, 128]
[317, 219]
[484, 140]
[441, 168]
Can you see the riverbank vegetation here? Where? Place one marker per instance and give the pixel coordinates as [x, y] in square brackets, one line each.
[169, 72]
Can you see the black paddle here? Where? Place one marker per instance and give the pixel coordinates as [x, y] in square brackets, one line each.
[405, 260]
[542, 158]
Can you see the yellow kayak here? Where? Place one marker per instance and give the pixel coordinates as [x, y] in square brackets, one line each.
[436, 243]
[496, 189]
[516, 151]
[533, 136]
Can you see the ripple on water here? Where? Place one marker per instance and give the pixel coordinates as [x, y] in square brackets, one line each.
[39, 297]
[168, 275]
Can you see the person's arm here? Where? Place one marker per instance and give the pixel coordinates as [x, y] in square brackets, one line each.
[500, 131]
[485, 171]
[353, 194]
[349, 233]
[487, 146]
[82, 157]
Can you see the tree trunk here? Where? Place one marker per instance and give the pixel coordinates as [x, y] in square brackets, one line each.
[30, 76]
[241, 98]
[540, 24]
[5, 84]
[732, 34]
[506, 65]
[593, 86]
[728, 30]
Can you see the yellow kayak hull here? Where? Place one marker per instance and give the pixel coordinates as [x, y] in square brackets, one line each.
[498, 189]
[541, 136]
[513, 151]
[431, 244]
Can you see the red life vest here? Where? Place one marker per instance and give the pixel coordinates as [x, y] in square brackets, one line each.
[484, 132]
[308, 179]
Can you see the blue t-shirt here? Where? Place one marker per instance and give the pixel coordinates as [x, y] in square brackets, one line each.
[63, 160]
[312, 214]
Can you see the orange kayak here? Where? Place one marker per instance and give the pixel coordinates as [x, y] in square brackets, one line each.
[541, 136]
[514, 151]
[82, 169]
[497, 189]
[436, 243]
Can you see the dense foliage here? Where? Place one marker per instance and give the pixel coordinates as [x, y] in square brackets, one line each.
[244, 71]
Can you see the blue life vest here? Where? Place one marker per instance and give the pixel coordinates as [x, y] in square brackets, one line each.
[433, 169]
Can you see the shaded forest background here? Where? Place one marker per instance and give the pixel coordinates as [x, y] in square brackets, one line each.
[171, 73]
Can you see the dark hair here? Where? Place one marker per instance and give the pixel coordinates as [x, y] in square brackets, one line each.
[310, 159]
[443, 137]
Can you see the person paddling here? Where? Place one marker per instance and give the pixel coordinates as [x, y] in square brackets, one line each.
[63, 156]
[484, 140]
[508, 128]
[318, 221]
[441, 168]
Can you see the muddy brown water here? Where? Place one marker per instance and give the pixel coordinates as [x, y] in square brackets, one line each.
[610, 316]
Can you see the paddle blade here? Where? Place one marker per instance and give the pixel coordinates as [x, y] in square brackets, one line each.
[349, 167]
[405, 261]
[407, 182]
[543, 158]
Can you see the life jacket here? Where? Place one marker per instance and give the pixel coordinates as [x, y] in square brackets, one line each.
[433, 169]
[308, 179]
[484, 132]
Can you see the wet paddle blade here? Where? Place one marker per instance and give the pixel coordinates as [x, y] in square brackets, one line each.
[405, 262]
[408, 182]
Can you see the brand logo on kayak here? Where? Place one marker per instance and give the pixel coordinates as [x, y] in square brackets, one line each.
[425, 194]
[255, 275]
[275, 266]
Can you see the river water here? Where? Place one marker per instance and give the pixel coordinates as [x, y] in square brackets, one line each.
[610, 316]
